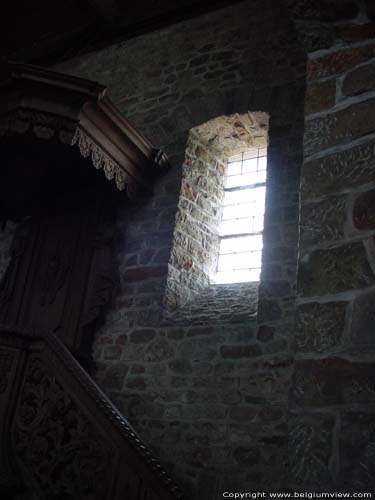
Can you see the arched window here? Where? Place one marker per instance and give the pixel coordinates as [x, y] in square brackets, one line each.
[219, 222]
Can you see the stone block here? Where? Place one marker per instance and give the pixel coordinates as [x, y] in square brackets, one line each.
[265, 333]
[320, 96]
[159, 350]
[199, 457]
[199, 330]
[224, 368]
[360, 80]
[269, 386]
[332, 381]
[142, 336]
[315, 36]
[364, 211]
[131, 261]
[133, 352]
[202, 368]
[199, 350]
[114, 376]
[341, 127]
[137, 369]
[209, 412]
[246, 455]
[275, 288]
[276, 346]
[268, 310]
[271, 414]
[356, 445]
[335, 270]
[176, 333]
[240, 351]
[180, 366]
[276, 440]
[239, 333]
[356, 32]
[323, 222]
[323, 10]
[320, 326]
[311, 450]
[345, 170]
[363, 320]
[149, 317]
[156, 369]
[339, 62]
[112, 352]
[243, 413]
[136, 383]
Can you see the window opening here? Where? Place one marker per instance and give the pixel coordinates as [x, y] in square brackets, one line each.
[241, 229]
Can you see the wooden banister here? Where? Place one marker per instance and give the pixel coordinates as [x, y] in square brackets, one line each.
[63, 435]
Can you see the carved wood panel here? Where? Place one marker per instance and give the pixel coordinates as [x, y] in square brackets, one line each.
[61, 274]
[57, 446]
[8, 362]
[65, 439]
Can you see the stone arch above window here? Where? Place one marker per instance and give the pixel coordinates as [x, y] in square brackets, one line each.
[196, 239]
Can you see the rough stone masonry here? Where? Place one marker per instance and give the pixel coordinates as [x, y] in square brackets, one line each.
[240, 389]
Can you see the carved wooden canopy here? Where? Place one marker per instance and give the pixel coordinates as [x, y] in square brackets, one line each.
[75, 111]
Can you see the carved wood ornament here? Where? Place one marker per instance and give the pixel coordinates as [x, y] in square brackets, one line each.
[77, 112]
[53, 130]
[64, 435]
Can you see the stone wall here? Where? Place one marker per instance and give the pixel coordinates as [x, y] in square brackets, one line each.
[207, 387]
[229, 394]
[333, 393]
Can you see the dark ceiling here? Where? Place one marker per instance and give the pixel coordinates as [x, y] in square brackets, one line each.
[50, 31]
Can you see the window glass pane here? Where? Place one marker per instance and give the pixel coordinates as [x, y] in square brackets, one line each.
[243, 211]
[238, 261]
[258, 224]
[241, 226]
[236, 226]
[234, 168]
[243, 215]
[259, 194]
[250, 165]
[241, 244]
[248, 179]
[255, 259]
[225, 262]
[247, 260]
[262, 163]
[247, 195]
[238, 276]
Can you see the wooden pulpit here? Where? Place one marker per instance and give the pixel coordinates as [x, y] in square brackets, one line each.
[61, 141]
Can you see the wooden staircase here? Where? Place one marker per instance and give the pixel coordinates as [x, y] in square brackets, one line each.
[61, 436]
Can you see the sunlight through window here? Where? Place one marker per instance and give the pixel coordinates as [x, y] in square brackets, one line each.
[241, 228]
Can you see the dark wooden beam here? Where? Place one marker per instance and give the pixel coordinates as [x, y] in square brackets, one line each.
[113, 26]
